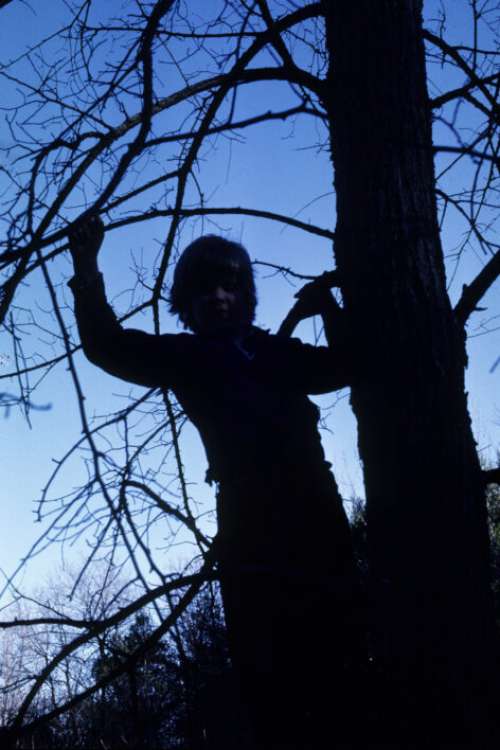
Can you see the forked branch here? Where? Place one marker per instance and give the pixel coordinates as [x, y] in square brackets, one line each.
[472, 293]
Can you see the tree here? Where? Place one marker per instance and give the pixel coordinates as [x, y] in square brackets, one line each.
[124, 140]
[422, 472]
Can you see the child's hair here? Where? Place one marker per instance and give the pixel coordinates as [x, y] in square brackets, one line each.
[206, 255]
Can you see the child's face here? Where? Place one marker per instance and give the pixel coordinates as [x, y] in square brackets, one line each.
[217, 302]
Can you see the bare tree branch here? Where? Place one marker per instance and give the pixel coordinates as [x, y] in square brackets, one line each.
[473, 292]
[449, 96]
[478, 83]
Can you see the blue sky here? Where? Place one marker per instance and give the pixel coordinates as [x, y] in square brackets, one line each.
[271, 170]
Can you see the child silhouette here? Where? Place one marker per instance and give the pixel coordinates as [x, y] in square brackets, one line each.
[283, 548]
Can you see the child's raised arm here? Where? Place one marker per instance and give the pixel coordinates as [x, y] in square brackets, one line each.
[127, 353]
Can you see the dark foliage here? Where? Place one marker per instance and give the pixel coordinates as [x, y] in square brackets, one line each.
[163, 701]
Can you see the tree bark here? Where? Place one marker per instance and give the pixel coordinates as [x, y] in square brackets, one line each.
[425, 495]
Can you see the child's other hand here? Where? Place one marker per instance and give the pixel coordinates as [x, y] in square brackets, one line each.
[313, 299]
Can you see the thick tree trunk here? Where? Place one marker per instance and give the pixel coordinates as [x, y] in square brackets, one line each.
[425, 496]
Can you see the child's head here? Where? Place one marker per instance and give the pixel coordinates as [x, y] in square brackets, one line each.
[213, 285]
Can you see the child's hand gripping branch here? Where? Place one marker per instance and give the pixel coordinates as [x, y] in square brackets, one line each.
[85, 240]
[315, 298]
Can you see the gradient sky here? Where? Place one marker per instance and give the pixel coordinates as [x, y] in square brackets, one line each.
[269, 171]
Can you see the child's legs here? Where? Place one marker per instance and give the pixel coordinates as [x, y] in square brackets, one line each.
[260, 655]
[291, 651]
